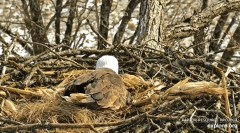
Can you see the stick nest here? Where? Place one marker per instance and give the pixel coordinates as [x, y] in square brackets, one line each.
[167, 95]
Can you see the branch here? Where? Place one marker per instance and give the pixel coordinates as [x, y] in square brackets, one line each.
[201, 20]
[126, 18]
[20, 41]
[67, 125]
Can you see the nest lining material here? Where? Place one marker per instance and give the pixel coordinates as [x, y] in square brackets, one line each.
[37, 105]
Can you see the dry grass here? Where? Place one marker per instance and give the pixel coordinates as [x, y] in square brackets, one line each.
[51, 108]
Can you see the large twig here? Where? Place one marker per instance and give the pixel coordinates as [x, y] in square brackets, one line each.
[201, 19]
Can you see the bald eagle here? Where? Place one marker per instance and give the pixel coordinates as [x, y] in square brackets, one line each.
[101, 88]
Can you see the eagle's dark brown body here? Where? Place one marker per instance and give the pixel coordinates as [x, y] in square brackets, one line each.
[102, 86]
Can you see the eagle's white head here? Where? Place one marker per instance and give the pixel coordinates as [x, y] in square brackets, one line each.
[108, 61]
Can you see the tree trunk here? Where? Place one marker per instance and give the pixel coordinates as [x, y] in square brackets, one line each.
[69, 24]
[34, 23]
[57, 21]
[151, 21]
[104, 21]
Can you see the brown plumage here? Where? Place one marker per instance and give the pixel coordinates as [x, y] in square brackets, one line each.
[102, 87]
